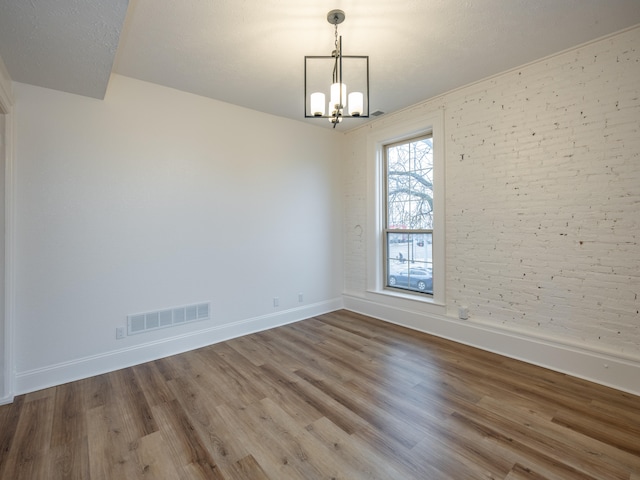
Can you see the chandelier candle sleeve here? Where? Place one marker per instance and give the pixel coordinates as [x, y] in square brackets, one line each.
[338, 96]
[317, 104]
[356, 104]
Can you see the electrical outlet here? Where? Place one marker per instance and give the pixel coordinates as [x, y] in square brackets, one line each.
[276, 301]
[300, 297]
[463, 313]
[119, 333]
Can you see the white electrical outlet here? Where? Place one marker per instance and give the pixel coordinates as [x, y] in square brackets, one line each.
[463, 313]
[300, 297]
[119, 333]
[276, 301]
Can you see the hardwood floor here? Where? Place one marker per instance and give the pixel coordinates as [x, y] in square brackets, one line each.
[339, 396]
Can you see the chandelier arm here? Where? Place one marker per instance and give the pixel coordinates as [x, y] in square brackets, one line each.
[340, 71]
[336, 54]
[337, 74]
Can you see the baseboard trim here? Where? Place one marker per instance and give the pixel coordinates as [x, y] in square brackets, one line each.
[605, 368]
[38, 379]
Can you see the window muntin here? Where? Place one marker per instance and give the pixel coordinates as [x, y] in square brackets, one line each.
[408, 230]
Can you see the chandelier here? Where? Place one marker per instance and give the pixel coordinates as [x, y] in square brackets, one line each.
[343, 103]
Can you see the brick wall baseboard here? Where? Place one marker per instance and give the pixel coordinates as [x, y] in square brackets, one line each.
[605, 368]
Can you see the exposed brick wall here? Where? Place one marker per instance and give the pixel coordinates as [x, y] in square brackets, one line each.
[542, 196]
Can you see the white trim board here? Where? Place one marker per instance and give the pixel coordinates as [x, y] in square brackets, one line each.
[6, 323]
[58, 374]
[607, 369]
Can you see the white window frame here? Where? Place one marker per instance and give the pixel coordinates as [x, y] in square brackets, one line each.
[429, 123]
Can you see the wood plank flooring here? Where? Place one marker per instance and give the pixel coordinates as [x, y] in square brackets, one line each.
[338, 396]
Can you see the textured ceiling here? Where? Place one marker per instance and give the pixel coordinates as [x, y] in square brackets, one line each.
[66, 45]
[250, 52]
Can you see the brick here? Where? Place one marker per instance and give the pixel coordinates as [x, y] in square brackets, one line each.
[542, 196]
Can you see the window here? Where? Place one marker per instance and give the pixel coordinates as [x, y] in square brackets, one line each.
[408, 199]
[407, 216]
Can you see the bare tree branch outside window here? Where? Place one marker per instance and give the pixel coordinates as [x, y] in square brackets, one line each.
[410, 185]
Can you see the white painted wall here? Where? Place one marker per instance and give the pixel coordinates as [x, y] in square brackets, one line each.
[542, 213]
[155, 198]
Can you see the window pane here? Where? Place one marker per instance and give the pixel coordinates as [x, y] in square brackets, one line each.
[409, 261]
[410, 185]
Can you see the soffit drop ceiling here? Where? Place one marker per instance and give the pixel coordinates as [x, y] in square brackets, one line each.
[250, 52]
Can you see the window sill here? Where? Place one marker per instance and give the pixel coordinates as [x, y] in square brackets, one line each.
[405, 300]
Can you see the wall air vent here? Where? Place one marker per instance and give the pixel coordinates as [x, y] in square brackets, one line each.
[144, 322]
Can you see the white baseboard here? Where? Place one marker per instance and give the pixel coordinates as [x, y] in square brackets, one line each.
[37, 379]
[605, 368]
